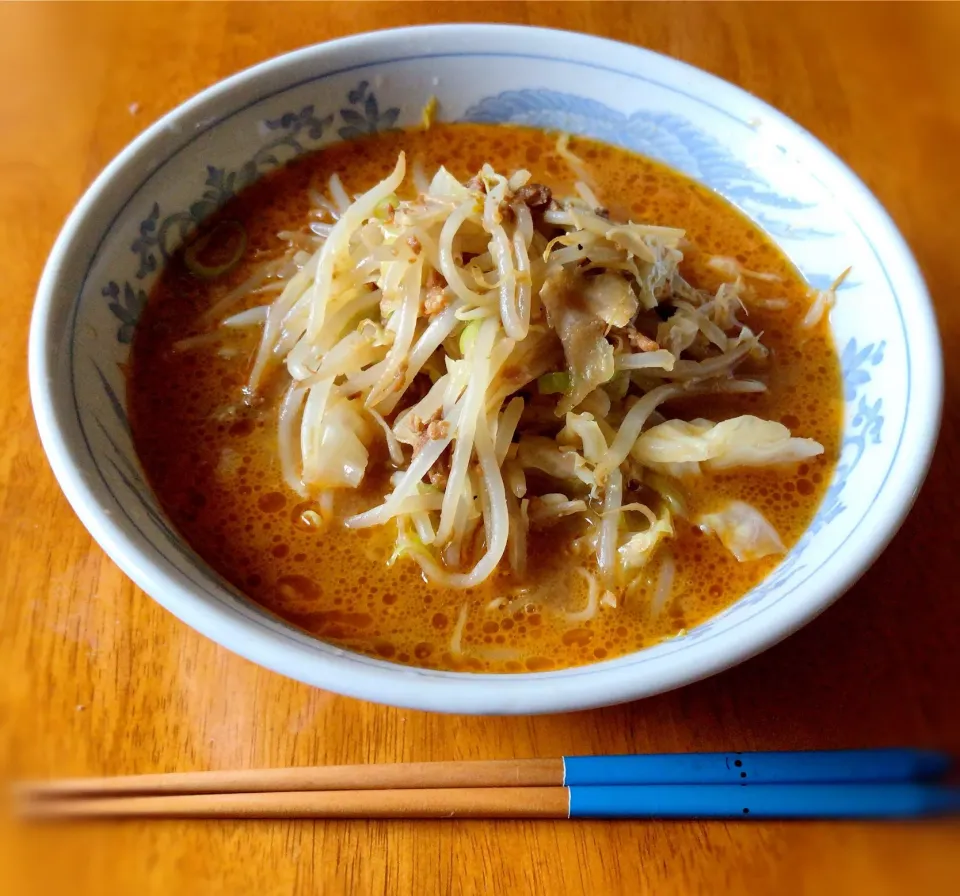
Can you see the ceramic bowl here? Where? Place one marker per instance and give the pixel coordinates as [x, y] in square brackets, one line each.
[182, 168]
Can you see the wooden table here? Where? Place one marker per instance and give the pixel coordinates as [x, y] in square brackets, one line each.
[97, 679]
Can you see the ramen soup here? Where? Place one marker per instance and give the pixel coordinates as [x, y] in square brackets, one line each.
[484, 398]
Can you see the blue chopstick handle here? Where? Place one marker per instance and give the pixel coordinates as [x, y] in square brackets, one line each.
[828, 801]
[813, 766]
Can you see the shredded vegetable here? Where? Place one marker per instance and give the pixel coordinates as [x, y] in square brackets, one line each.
[507, 360]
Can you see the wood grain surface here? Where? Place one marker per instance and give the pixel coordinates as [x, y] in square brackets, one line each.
[97, 679]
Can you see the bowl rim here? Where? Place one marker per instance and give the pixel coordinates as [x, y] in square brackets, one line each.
[381, 681]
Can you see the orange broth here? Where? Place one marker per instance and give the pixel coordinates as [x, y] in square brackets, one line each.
[214, 467]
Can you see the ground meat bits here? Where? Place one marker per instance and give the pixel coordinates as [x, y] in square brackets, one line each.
[436, 297]
[534, 195]
[428, 430]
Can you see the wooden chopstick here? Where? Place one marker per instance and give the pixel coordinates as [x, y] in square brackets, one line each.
[811, 766]
[472, 802]
[384, 776]
[729, 801]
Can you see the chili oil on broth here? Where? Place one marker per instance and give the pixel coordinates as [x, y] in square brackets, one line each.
[214, 467]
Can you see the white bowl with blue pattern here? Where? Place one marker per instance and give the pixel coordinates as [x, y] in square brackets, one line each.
[113, 245]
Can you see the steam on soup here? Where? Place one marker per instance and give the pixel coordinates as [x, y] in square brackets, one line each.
[477, 398]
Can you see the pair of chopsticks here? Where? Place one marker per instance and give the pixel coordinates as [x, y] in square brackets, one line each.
[836, 784]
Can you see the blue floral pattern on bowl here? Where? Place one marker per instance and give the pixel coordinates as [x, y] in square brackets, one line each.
[160, 236]
[664, 136]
